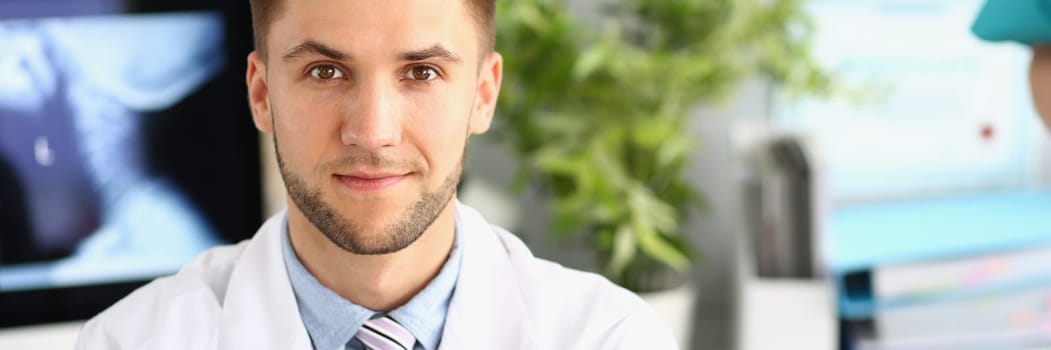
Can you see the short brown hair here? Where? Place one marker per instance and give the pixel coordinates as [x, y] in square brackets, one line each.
[483, 11]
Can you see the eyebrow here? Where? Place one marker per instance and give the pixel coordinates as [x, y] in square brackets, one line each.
[437, 51]
[311, 47]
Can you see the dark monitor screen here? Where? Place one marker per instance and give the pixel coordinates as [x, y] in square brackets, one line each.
[126, 148]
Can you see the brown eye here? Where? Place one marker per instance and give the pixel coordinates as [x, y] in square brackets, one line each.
[421, 73]
[326, 73]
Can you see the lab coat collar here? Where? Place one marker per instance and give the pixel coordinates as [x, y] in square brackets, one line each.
[489, 308]
[259, 310]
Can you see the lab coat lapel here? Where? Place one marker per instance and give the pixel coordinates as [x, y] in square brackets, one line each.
[488, 309]
[260, 311]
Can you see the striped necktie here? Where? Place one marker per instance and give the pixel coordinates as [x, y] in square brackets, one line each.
[382, 333]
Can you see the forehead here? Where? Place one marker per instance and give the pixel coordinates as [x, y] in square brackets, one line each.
[375, 27]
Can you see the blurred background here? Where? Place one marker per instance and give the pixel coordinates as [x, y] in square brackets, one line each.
[768, 174]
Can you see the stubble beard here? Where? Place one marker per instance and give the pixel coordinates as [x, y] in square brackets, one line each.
[351, 235]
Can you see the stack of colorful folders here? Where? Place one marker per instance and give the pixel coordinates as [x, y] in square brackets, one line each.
[958, 272]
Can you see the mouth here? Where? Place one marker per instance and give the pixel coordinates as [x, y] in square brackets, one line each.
[370, 182]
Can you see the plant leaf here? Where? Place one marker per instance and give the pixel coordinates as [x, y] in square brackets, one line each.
[624, 248]
[655, 246]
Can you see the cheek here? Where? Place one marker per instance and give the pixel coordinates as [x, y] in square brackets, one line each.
[304, 125]
[438, 127]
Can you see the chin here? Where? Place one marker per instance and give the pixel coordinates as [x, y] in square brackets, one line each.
[374, 212]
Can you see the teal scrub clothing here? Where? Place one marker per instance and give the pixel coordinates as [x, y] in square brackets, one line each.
[1022, 21]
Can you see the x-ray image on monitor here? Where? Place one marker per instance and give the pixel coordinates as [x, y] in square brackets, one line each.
[80, 202]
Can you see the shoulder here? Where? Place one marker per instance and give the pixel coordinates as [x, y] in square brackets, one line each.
[583, 309]
[172, 307]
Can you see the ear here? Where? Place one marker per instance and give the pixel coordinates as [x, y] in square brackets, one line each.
[258, 99]
[1040, 82]
[488, 91]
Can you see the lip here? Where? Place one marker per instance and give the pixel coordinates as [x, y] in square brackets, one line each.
[370, 182]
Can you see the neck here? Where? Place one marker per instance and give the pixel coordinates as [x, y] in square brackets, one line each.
[378, 282]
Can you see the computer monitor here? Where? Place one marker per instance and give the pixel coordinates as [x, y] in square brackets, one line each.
[126, 147]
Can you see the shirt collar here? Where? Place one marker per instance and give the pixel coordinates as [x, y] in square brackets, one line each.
[332, 321]
[424, 314]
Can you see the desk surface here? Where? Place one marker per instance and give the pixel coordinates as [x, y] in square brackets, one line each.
[786, 314]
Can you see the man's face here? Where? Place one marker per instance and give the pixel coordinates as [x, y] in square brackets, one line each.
[371, 103]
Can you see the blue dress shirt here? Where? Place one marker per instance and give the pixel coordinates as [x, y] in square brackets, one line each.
[332, 321]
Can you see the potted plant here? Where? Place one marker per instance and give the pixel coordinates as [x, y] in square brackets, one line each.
[598, 113]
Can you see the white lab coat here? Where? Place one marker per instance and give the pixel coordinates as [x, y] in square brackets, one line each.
[240, 297]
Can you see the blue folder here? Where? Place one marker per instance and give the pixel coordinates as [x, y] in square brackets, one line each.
[861, 238]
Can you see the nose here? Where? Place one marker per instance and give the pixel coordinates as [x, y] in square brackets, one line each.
[372, 117]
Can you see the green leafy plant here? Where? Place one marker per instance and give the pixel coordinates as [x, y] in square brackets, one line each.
[599, 112]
